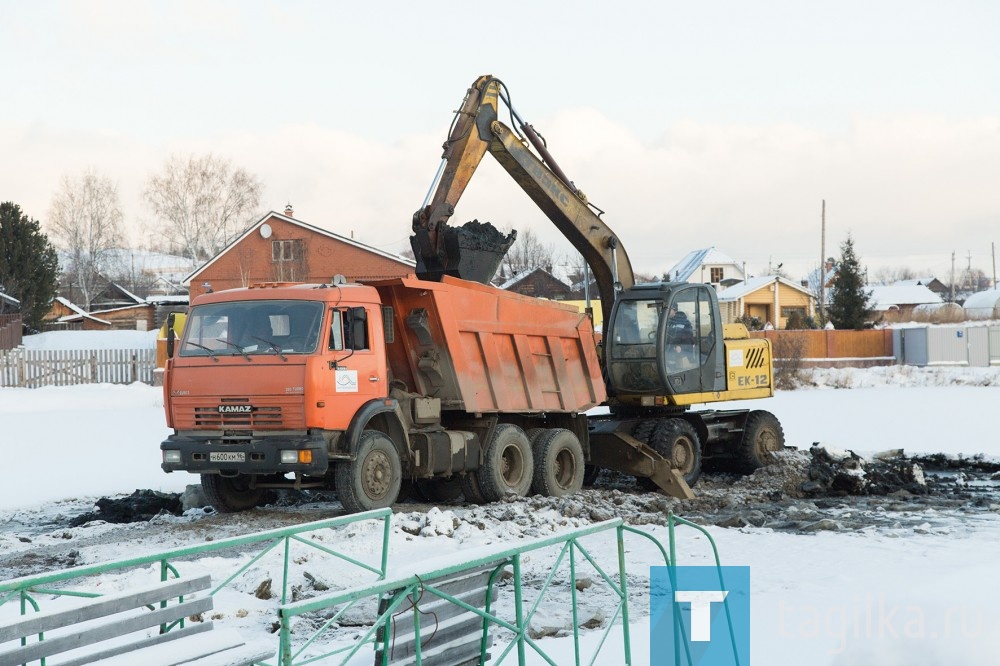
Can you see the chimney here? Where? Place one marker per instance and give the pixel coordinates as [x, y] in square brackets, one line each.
[289, 211]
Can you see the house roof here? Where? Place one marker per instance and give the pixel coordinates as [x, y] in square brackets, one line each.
[685, 268]
[741, 289]
[916, 281]
[71, 306]
[526, 273]
[884, 297]
[291, 220]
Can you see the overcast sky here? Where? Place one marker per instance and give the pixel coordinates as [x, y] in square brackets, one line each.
[691, 124]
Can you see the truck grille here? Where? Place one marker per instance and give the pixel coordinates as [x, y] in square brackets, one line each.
[261, 417]
[271, 413]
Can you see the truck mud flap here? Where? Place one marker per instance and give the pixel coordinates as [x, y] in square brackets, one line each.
[619, 451]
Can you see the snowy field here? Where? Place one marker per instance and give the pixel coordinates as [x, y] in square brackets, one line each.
[876, 595]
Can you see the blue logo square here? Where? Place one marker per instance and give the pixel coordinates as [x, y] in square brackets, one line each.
[699, 616]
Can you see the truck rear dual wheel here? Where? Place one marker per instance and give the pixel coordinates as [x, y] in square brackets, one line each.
[559, 465]
[508, 464]
[231, 494]
[373, 479]
[762, 437]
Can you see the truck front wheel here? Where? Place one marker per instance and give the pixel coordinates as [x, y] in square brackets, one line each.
[373, 479]
[508, 464]
[230, 494]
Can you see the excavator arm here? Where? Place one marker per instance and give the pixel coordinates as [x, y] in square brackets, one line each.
[475, 131]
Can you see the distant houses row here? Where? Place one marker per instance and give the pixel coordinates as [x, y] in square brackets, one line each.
[281, 248]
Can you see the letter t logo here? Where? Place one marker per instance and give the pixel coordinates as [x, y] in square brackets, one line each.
[701, 607]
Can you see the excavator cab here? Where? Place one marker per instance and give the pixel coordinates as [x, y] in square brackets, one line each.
[665, 340]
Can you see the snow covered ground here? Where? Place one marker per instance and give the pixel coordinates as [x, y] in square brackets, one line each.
[917, 590]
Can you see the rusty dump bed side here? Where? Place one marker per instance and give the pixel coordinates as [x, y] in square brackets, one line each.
[482, 349]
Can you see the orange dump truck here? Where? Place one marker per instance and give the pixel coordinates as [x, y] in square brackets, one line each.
[447, 387]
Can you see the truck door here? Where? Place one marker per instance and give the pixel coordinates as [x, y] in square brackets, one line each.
[356, 360]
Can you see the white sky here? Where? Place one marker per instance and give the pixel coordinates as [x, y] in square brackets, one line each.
[690, 124]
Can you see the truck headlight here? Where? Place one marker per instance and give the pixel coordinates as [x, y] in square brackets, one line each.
[293, 456]
[171, 456]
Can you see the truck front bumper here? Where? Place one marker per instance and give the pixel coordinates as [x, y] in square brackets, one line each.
[303, 453]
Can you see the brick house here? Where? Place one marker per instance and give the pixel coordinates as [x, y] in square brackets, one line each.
[279, 248]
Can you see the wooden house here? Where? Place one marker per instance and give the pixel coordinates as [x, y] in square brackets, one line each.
[708, 266]
[769, 298]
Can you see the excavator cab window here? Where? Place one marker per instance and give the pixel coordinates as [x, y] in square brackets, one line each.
[665, 342]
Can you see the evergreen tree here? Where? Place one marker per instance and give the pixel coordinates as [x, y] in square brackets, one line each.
[29, 267]
[850, 301]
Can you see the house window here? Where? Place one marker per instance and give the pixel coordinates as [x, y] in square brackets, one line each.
[716, 274]
[286, 250]
[788, 312]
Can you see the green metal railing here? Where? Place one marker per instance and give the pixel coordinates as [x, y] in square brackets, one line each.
[413, 585]
[571, 554]
[27, 588]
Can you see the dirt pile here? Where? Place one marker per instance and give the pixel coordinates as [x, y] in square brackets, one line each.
[142, 505]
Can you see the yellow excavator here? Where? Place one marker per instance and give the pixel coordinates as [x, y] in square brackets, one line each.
[665, 347]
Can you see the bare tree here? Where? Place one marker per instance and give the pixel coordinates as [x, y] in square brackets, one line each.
[891, 274]
[86, 221]
[526, 253]
[204, 203]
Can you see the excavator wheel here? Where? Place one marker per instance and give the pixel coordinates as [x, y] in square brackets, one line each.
[677, 441]
[762, 437]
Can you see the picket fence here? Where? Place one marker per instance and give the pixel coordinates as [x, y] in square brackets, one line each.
[33, 368]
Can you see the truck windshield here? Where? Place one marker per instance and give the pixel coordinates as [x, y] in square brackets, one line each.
[252, 327]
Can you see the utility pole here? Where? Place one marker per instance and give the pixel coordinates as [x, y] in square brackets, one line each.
[822, 266]
[952, 276]
[993, 251]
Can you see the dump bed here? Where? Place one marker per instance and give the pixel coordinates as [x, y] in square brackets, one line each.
[482, 349]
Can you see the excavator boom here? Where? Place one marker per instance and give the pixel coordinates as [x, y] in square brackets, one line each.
[475, 131]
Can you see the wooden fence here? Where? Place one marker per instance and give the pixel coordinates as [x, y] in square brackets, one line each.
[10, 331]
[32, 368]
[824, 347]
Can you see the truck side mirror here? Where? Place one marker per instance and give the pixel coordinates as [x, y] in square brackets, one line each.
[170, 335]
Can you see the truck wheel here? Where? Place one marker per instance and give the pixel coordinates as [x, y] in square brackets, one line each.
[507, 464]
[558, 464]
[373, 479]
[230, 494]
[440, 490]
[762, 437]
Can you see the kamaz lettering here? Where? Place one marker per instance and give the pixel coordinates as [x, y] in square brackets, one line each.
[235, 409]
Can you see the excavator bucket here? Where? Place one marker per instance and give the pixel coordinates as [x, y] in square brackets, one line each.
[471, 252]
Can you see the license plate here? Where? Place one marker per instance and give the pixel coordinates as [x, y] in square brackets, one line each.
[227, 456]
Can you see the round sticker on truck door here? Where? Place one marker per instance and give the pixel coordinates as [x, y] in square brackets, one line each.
[347, 381]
